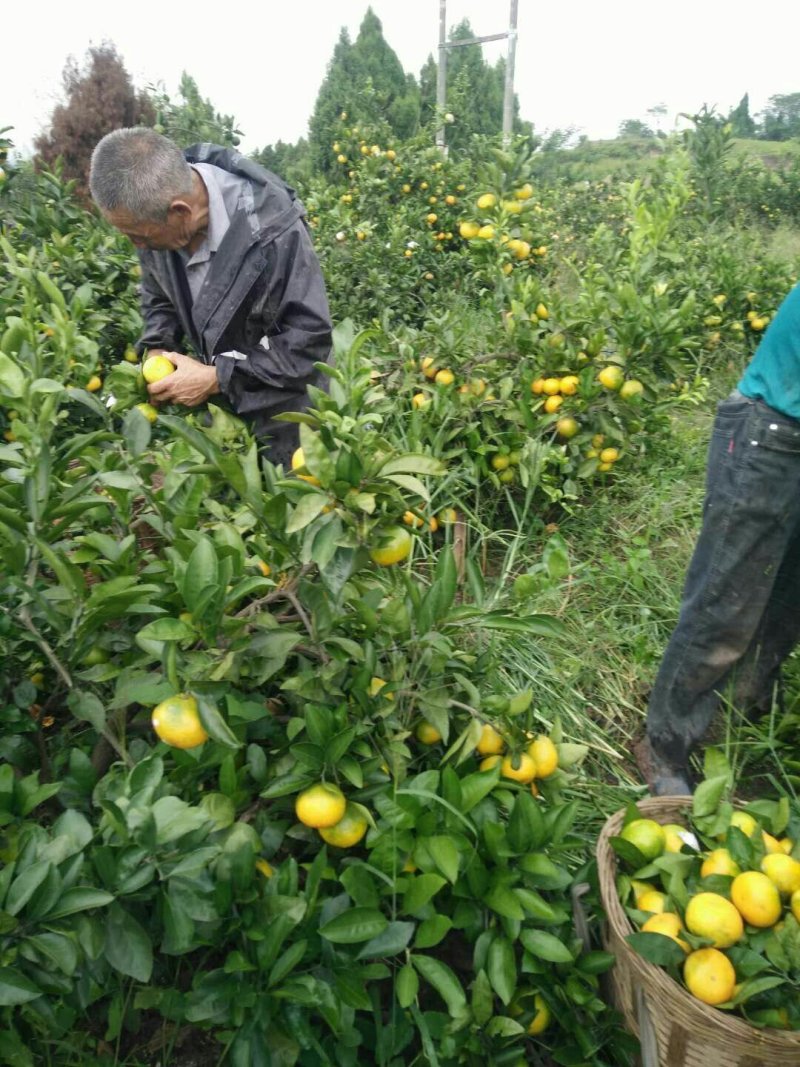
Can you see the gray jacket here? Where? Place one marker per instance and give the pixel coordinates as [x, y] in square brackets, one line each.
[264, 283]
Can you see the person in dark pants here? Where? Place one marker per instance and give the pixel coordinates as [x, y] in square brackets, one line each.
[740, 613]
[228, 267]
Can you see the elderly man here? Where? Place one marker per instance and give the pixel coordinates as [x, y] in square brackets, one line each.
[228, 267]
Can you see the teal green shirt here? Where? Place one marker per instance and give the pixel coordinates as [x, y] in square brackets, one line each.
[773, 374]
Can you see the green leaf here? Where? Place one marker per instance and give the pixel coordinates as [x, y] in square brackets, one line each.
[118, 480]
[214, 723]
[389, 942]
[443, 980]
[410, 484]
[128, 948]
[12, 380]
[201, 574]
[165, 629]
[87, 707]
[708, 795]
[286, 963]
[543, 872]
[136, 430]
[445, 856]
[502, 969]
[657, 948]
[80, 898]
[306, 511]
[412, 463]
[503, 1026]
[420, 890]
[174, 818]
[406, 986]
[477, 786]
[546, 946]
[753, 986]
[354, 925]
[504, 901]
[482, 1000]
[431, 931]
[57, 949]
[15, 988]
[25, 885]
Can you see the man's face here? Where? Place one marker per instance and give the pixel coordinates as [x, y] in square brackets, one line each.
[172, 234]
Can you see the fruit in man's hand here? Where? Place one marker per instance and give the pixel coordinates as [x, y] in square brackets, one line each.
[155, 368]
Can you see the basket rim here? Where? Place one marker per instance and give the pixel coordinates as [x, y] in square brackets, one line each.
[699, 1016]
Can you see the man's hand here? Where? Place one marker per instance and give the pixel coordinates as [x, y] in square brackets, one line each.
[192, 382]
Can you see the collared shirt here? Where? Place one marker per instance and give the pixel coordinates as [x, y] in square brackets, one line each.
[224, 191]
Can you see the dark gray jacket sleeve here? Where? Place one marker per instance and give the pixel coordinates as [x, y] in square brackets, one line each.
[162, 327]
[291, 310]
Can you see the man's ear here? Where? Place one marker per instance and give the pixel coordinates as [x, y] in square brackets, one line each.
[179, 209]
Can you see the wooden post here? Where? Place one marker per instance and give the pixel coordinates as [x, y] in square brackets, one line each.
[441, 77]
[508, 98]
[441, 71]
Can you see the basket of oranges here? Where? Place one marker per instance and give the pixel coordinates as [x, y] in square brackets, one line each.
[703, 916]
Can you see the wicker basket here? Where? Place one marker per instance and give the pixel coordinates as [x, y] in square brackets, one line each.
[674, 1028]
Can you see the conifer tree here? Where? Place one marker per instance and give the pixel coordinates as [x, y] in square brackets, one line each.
[366, 80]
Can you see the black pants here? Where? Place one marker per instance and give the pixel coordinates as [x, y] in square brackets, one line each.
[740, 613]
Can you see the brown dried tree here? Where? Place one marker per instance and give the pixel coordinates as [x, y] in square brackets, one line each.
[99, 97]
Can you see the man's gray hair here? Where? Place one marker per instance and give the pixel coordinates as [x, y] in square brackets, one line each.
[138, 171]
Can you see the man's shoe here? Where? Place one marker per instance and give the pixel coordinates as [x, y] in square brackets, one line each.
[664, 777]
[671, 785]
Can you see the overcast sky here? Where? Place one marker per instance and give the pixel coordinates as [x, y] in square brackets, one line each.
[580, 63]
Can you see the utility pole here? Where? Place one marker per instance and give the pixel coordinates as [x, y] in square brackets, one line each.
[508, 99]
[441, 74]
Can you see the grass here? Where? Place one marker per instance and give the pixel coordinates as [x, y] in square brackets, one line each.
[628, 550]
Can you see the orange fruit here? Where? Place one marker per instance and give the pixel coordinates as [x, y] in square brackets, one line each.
[393, 546]
[652, 901]
[299, 463]
[756, 898]
[611, 377]
[541, 1019]
[719, 861]
[520, 767]
[320, 806]
[544, 754]
[567, 427]
[709, 976]
[155, 368]
[265, 868]
[666, 923]
[427, 733]
[348, 831]
[149, 412]
[177, 722]
[711, 915]
[783, 871]
[647, 835]
[672, 832]
[491, 742]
